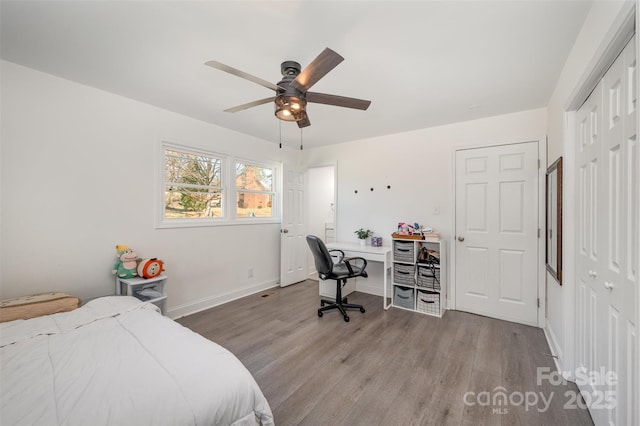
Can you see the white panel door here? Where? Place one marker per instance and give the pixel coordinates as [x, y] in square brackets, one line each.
[607, 249]
[497, 231]
[293, 243]
[590, 324]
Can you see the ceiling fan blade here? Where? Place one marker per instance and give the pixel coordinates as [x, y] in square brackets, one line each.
[250, 104]
[341, 101]
[318, 68]
[304, 123]
[226, 68]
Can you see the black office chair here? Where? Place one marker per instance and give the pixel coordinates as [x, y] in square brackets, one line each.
[341, 270]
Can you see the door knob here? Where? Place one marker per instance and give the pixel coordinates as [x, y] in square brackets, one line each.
[608, 285]
[285, 231]
[460, 239]
[592, 274]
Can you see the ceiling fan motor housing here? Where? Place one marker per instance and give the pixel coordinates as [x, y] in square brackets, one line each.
[290, 103]
[290, 68]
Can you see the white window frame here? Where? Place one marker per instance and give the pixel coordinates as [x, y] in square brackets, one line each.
[228, 190]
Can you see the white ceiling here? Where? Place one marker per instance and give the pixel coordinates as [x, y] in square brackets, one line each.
[421, 63]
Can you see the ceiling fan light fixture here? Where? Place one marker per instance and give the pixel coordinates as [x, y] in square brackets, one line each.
[292, 92]
[290, 108]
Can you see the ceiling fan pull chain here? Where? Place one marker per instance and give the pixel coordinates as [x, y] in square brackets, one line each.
[300, 138]
[280, 132]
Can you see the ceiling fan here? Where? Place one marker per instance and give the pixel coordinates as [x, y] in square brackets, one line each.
[292, 92]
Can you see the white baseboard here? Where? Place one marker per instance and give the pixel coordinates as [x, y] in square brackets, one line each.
[552, 341]
[210, 302]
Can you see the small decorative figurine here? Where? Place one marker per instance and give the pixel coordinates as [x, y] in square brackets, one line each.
[150, 268]
[127, 264]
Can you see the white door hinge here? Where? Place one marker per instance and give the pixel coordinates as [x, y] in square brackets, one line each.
[538, 302]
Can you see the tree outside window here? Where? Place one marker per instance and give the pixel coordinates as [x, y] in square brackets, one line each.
[192, 185]
[202, 188]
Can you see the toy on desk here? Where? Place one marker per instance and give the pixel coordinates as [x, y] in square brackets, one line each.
[415, 229]
[127, 264]
[405, 228]
[150, 268]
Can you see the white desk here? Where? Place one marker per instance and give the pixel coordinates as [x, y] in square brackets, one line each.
[371, 254]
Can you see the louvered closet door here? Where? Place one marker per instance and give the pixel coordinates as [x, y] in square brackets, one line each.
[607, 249]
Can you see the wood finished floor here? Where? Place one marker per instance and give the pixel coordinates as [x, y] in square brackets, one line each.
[390, 367]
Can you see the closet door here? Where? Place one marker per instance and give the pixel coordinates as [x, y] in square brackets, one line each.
[589, 322]
[607, 250]
[619, 264]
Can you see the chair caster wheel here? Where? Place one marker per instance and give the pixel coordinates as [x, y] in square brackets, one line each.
[346, 318]
[362, 310]
[320, 314]
[322, 304]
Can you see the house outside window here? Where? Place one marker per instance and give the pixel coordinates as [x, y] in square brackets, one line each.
[254, 186]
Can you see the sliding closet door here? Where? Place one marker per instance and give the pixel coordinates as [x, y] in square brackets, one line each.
[607, 246]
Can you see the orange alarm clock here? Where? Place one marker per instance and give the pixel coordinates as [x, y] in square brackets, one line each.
[150, 268]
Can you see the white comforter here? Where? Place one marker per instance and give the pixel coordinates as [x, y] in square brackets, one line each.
[117, 361]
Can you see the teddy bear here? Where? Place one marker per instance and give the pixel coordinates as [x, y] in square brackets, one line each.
[127, 264]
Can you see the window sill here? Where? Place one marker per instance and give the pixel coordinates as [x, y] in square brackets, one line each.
[191, 223]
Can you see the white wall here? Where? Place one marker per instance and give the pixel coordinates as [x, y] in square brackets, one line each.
[418, 166]
[78, 178]
[321, 187]
[599, 31]
[321, 197]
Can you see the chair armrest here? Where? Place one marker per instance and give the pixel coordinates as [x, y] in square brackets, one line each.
[340, 256]
[359, 262]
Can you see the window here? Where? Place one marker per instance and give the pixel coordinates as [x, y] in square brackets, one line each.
[201, 188]
[192, 185]
[254, 190]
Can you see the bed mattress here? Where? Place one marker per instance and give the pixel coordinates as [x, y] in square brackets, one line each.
[117, 361]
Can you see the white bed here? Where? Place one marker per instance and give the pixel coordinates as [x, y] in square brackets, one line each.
[117, 361]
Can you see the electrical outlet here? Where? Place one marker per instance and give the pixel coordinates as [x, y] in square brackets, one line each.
[250, 272]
